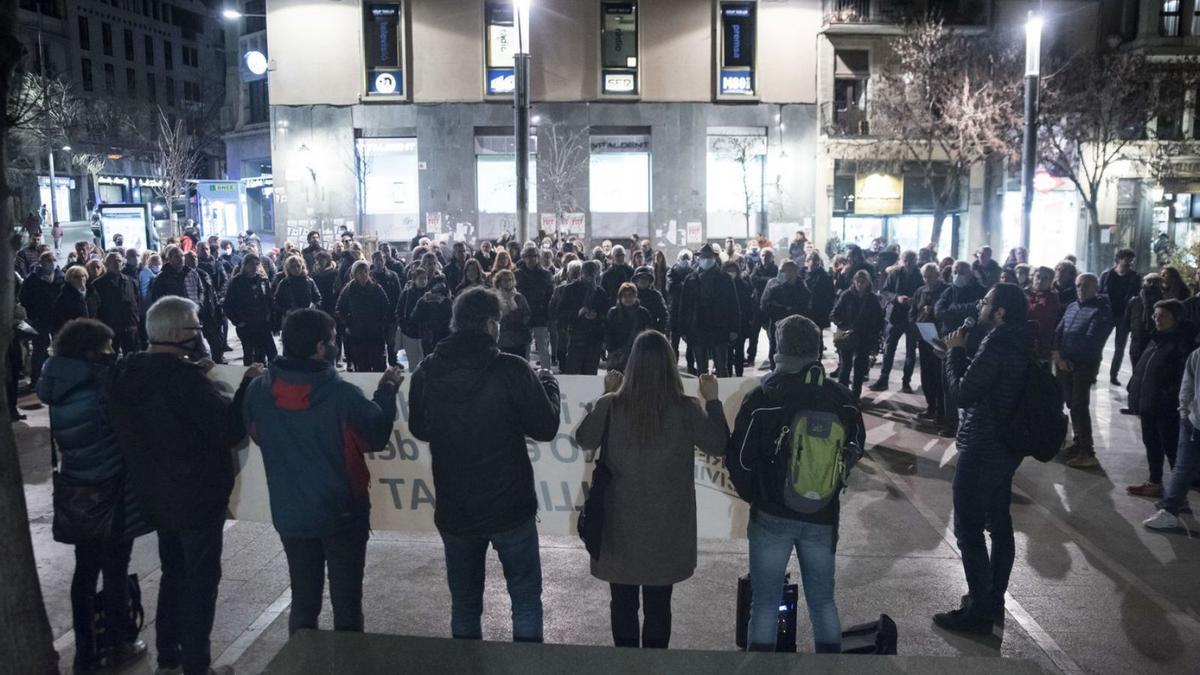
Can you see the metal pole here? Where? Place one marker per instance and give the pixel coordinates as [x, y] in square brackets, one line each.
[1029, 157]
[521, 141]
[53, 192]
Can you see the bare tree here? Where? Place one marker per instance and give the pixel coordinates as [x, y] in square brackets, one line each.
[25, 638]
[178, 160]
[1095, 112]
[947, 102]
[42, 108]
[564, 162]
[748, 152]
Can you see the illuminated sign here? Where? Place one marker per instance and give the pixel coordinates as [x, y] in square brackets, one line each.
[620, 83]
[256, 62]
[736, 81]
[619, 48]
[501, 81]
[383, 40]
[736, 53]
[385, 81]
[500, 46]
[878, 194]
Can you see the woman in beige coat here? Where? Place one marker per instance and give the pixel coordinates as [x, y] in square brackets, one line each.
[649, 538]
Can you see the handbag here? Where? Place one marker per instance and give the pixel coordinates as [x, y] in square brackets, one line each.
[591, 516]
[83, 512]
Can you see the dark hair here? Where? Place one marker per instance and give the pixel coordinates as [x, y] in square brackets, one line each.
[81, 338]
[1124, 253]
[473, 308]
[1173, 306]
[651, 385]
[1012, 300]
[303, 330]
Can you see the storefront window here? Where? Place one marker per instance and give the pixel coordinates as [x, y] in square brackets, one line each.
[735, 185]
[388, 187]
[496, 184]
[619, 185]
[1054, 226]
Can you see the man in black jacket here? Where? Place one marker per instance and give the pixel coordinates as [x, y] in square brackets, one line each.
[248, 306]
[38, 293]
[312, 249]
[177, 431]
[676, 278]
[759, 278]
[988, 390]
[902, 282]
[1120, 283]
[709, 310]
[650, 298]
[390, 283]
[114, 299]
[616, 275]
[536, 283]
[582, 308]
[783, 296]
[475, 406]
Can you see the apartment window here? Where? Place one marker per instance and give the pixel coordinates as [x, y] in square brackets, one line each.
[166, 13]
[106, 38]
[619, 48]
[168, 55]
[86, 71]
[148, 45]
[260, 109]
[128, 45]
[169, 91]
[383, 40]
[619, 184]
[496, 183]
[110, 79]
[735, 183]
[1170, 18]
[254, 24]
[151, 88]
[388, 186]
[145, 7]
[85, 37]
[1169, 125]
[130, 82]
[851, 75]
[155, 8]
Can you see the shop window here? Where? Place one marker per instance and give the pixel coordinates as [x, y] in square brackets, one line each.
[619, 185]
[735, 185]
[383, 40]
[388, 187]
[619, 49]
[1170, 18]
[496, 184]
[260, 109]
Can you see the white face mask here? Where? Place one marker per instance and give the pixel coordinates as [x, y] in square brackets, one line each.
[707, 263]
[961, 280]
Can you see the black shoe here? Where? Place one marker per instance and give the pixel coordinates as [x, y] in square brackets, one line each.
[996, 614]
[1114, 381]
[907, 388]
[880, 385]
[927, 415]
[963, 621]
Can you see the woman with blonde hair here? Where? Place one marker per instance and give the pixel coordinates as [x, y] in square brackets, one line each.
[503, 261]
[650, 430]
[515, 336]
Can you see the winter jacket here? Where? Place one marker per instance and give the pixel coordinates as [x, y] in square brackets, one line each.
[1080, 336]
[957, 304]
[781, 300]
[26, 259]
[862, 316]
[1140, 311]
[1066, 296]
[921, 309]
[76, 391]
[327, 287]
[453, 272]
[38, 295]
[759, 278]
[583, 294]
[404, 309]
[70, 304]
[1154, 387]
[514, 324]
[313, 428]
[183, 282]
[988, 388]
[1044, 312]
[295, 293]
[145, 280]
[821, 296]
[177, 431]
[612, 279]
[248, 301]
[115, 302]
[652, 300]
[988, 275]
[537, 285]
[310, 255]
[475, 406]
[622, 326]
[1120, 289]
[431, 316]
[900, 282]
[709, 306]
[364, 311]
[390, 283]
[676, 278]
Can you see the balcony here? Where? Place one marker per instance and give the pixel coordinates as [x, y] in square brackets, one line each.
[886, 17]
[841, 121]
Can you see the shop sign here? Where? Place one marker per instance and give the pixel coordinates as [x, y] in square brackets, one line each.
[385, 82]
[620, 143]
[878, 194]
[620, 83]
[501, 81]
[736, 81]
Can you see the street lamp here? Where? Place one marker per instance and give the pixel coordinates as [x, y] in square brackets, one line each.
[521, 112]
[1033, 71]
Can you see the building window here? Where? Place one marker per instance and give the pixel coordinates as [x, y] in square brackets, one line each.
[383, 39]
[106, 38]
[86, 71]
[388, 191]
[146, 8]
[154, 9]
[496, 184]
[619, 185]
[130, 82]
[1169, 125]
[736, 49]
[501, 38]
[619, 48]
[260, 109]
[851, 75]
[254, 24]
[110, 79]
[168, 55]
[169, 91]
[128, 45]
[735, 184]
[85, 37]
[1170, 18]
[148, 44]
[151, 88]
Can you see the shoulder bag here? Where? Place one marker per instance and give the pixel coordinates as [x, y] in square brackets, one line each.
[591, 517]
[83, 512]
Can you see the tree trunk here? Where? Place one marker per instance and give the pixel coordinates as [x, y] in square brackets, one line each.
[25, 638]
[939, 218]
[1093, 234]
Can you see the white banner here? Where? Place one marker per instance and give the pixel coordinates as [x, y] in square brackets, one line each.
[402, 493]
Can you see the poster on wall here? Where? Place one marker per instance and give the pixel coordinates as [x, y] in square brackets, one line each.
[695, 233]
[549, 222]
[575, 223]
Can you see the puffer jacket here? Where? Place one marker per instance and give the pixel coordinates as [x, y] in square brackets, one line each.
[862, 315]
[821, 295]
[364, 311]
[621, 328]
[431, 316]
[475, 406]
[248, 301]
[988, 388]
[1084, 329]
[298, 292]
[75, 390]
[537, 285]
[1154, 387]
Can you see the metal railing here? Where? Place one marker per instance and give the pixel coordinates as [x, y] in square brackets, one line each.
[846, 122]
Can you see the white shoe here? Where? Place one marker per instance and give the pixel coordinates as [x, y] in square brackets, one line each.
[1162, 520]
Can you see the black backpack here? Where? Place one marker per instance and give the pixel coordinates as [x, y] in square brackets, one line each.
[1038, 426]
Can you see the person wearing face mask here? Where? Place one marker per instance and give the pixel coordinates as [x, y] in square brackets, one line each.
[365, 312]
[1044, 311]
[650, 298]
[859, 320]
[1079, 347]
[148, 274]
[313, 428]
[1141, 314]
[762, 275]
[410, 331]
[177, 431]
[709, 311]
[176, 278]
[958, 303]
[476, 407]
[248, 306]
[432, 315]
[784, 296]
[515, 336]
[115, 303]
[38, 293]
[676, 278]
[71, 302]
[624, 323]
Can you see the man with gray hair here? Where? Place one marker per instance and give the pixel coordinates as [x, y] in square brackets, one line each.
[1079, 348]
[794, 406]
[614, 276]
[177, 431]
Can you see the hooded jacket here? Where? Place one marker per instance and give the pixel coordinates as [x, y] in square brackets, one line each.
[313, 428]
[989, 387]
[782, 299]
[475, 406]
[177, 431]
[1084, 329]
[432, 315]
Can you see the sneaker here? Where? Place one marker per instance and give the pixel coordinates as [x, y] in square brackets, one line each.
[964, 621]
[907, 388]
[1083, 460]
[765, 365]
[880, 385]
[1162, 520]
[1145, 490]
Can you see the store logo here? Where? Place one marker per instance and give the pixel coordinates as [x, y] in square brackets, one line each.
[736, 82]
[620, 83]
[501, 81]
[385, 83]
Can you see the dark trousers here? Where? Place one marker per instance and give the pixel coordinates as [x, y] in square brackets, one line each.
[520, 558]
[187, 595]
[110, 558]
[752, 341]
[14, 374]
[1077, 392]
[710, 348]
[582, 357]
[389, 341]
[737, 356]
[258, 345]
[771, 343]
[676, 335]
[655, 631]
[1160, 435]
[1121, 333]
[895, 332]
[345, 555]
[39, 351]
[126, 341]
[949, 407]
[854, 362]
[931, 377]
[983, 499]
[366, 355]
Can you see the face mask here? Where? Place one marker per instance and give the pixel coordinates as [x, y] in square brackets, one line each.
[707, 263]
[108, 359]
[961, 280]
[156, 268]
[195, 346]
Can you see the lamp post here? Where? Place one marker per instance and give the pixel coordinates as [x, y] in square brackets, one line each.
[1033, 67]
[521, 113]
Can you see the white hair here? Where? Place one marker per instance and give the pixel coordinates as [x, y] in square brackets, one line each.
[618, 250]
[169, 319]
[683, 255]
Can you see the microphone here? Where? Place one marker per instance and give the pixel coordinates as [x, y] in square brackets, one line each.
[968, 324]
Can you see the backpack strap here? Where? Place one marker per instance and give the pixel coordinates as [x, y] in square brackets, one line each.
[815, 375]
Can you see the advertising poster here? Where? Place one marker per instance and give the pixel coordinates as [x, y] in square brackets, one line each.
[695, 234]
[131, 221]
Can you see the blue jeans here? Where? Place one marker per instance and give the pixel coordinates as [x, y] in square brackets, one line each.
[983, 499]
[771, 542]
[1187, 467]
[521, 560]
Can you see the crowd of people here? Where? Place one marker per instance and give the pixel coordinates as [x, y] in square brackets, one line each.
[484, 332]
